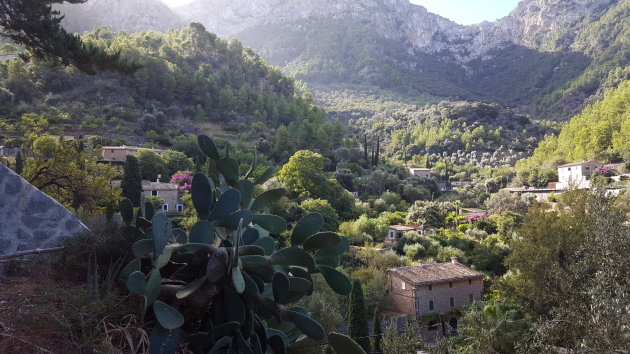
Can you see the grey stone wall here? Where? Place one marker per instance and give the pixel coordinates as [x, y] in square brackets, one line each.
[30, 219]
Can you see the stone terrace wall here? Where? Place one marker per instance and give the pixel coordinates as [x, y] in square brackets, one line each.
[29, 218]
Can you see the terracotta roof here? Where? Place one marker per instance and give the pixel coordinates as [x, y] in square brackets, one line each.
[435, 273]
[580, 164]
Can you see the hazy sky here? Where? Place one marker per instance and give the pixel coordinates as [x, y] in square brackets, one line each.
[464, 12]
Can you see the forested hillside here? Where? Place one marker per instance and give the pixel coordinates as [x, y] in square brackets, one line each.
[186, 78]
[600, 132]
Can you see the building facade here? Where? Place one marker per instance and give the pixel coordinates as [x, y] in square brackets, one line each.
[396, 232]
[434, 288]
[119, 153]
[577, 174]
[169, 193]
[421, 172]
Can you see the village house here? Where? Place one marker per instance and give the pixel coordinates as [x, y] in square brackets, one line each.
[434, 289]
[577, 174]
[169, 193]
[421, 172]
[396, 232]
[119, 153]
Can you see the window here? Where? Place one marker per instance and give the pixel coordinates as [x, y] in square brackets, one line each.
[471, 298]
[180, 207]
[452, 302]
[450, 285]
[430, 305]
[112, 151]
[403, 286]
[154, 193]
[165, 207]
[469, 281]
[430, 288]
[433, 326]
[391, 234]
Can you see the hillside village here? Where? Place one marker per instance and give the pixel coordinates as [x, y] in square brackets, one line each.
[184, 196]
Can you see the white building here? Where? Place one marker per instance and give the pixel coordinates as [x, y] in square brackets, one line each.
[577, 174]
[420, 172]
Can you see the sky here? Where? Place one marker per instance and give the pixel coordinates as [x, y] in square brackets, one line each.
[464, 12]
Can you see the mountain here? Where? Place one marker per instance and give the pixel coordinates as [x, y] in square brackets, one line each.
[540, 58]
[131, 16]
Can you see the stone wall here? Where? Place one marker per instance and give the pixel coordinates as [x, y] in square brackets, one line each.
[30, 219]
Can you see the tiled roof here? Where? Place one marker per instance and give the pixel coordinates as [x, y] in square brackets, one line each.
[580, 164]
[405, 227]
[435, 273]
[152, 186]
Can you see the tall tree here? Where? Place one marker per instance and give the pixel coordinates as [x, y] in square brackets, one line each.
[365, 151]
[357, 316]
[19, 163]
[131, 183]
[376, 331]
[34, 24]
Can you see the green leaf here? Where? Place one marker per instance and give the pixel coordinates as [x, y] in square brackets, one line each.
[337, 281]
[344, 344]
[154, 284]
[163, 341]
[202, 195]
[300, 285]
[143, 223]
[307, 226]
[142, 248]
[126, 210]
[136, 282]
[228, 203]
[208, 147]
[250, 236]
[190, 288]
[225, 329]
[131, 267]
[280, 286]
[269, 172]
[277, 341]
[247, 190]
[267, 243]
[272, 223]
[237, 280]
[162, 232]
[202, 232]
[220, 344]
[165, 257]
[341, 248]
[301, 273]
[295, 256]
[251, 250]
[234, 307]
[229, 169]
[331, 261]
[231, 221]
[149, 210]
[307, 325]
[321, 240]
[180, 236]
[168, 317]
[266, 199]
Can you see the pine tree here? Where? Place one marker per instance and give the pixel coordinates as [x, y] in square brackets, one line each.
[131, 183]
[376, 331]
[357, 316]
[19, 163]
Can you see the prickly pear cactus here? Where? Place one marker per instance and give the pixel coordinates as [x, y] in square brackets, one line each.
[225, 286]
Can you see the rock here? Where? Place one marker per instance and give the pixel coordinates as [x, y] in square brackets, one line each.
[29, 218]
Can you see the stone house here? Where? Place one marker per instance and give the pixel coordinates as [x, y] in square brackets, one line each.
[434, 289]
[421, 172]
[395, 232]
[119, 153]
[577, 174]
[168, 192]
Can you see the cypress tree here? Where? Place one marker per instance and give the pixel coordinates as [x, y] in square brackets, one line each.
[131, 183]
[378, 148]
[357, 316]
[19, 163]
[376, 331]
[365, 151]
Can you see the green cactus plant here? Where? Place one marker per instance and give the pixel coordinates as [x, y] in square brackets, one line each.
[225, 286]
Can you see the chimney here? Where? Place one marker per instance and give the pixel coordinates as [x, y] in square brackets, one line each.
[454, 260]
[159, 177]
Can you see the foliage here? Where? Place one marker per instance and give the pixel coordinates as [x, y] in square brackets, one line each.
[507, 201]
[131, 182]
[357, 316]
[322, 207]
[492, 327]
[229, 255]
[429, 214]
[569, 277]
[395, 342]
[70, 174]
[151, 165]
[374, 284]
